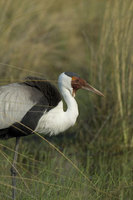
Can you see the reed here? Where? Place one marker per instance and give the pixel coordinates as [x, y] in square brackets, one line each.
[116, 45]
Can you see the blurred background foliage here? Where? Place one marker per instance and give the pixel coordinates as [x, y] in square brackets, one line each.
[92, 38]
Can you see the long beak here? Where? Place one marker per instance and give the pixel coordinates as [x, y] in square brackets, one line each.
[92, 89]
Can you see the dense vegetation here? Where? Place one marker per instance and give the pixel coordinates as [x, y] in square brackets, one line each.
[94, 39]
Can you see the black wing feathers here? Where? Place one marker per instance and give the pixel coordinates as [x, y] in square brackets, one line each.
[49, 91]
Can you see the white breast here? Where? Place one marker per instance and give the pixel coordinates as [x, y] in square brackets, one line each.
[55, 121]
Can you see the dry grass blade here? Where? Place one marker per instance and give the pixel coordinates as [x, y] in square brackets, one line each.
[10, 186]
[21, 103]
[43, 182]
[22, 69]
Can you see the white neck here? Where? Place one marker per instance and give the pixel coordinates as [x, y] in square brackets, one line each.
[71, 113]
[68, 118]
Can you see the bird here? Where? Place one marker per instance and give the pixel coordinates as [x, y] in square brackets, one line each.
[36, 105]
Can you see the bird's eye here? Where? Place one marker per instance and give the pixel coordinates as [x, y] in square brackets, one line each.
[76, 81]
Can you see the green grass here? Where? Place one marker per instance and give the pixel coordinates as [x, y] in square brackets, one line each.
[92, 38]
[48, 175]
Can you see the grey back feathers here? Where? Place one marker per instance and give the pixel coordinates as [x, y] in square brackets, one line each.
[25, 102]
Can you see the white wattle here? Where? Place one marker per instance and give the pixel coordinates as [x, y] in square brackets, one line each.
[57, 120]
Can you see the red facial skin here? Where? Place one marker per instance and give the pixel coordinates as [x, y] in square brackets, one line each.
[78, 83]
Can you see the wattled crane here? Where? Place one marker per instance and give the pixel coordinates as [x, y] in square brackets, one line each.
[36, 105]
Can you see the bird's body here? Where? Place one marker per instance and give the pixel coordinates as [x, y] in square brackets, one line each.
[29, 103]
[36, 105]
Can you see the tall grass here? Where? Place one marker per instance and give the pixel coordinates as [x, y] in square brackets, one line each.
[94, 39]
[117, 45]
[43, 35]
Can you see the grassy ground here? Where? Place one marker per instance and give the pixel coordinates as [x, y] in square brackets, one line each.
[45, 174]
[92, 38]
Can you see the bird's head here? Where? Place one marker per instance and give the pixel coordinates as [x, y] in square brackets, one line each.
[72, 82]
